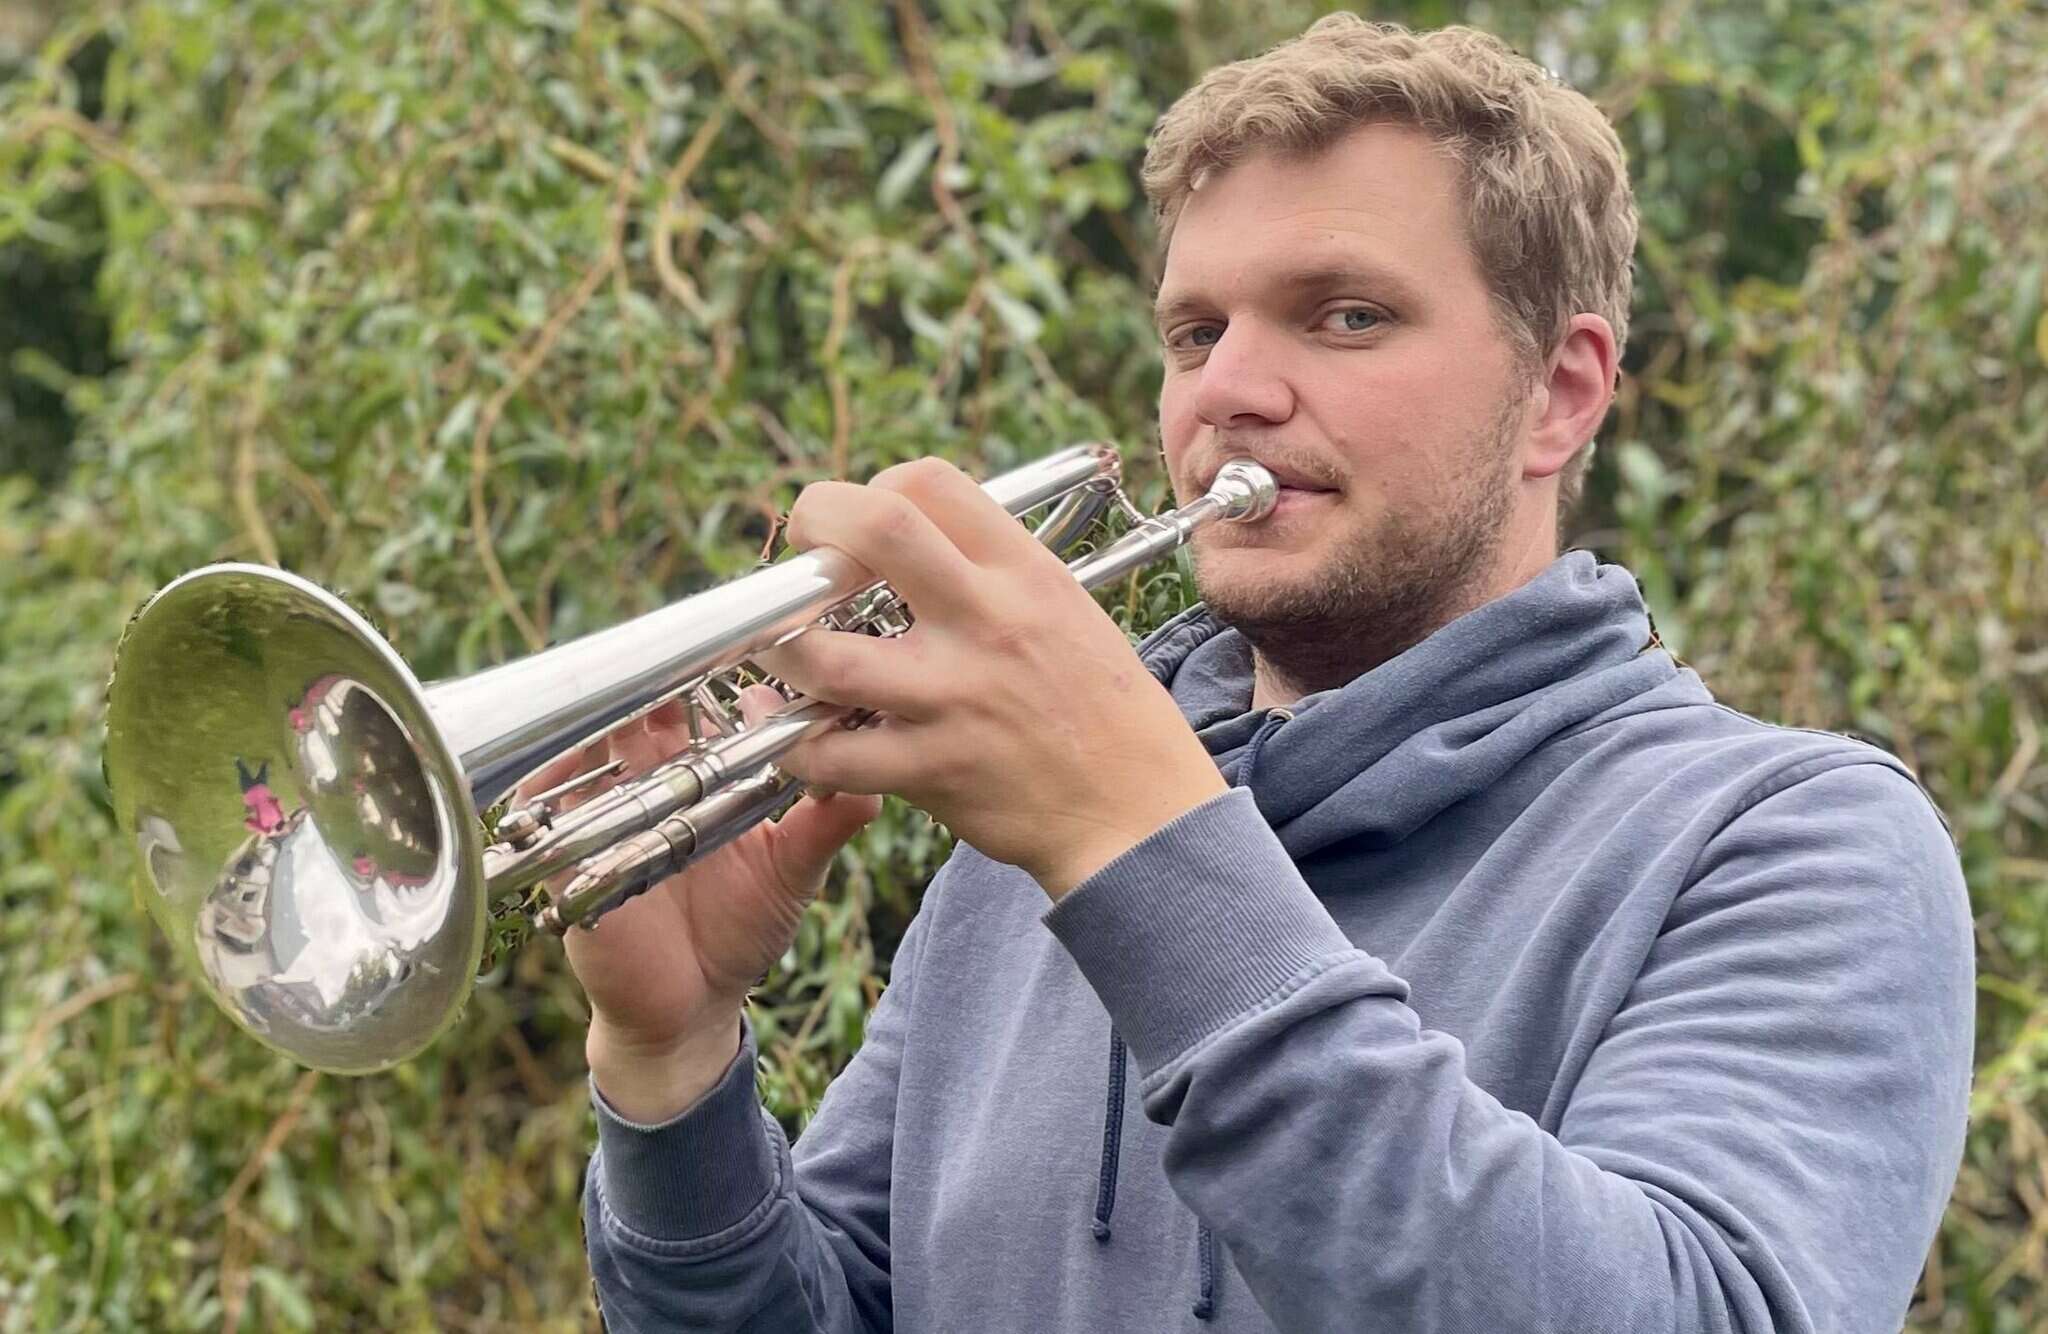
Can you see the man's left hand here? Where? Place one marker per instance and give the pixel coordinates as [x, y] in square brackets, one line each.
[1015, 710]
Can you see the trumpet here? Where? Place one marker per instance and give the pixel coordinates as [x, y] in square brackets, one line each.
[326, 842]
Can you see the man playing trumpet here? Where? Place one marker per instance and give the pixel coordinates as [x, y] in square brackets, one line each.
[1402, 939]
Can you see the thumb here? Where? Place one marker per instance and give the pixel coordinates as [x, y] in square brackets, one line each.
[810, 834]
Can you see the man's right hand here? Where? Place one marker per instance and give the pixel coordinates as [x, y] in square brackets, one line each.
[667, 972]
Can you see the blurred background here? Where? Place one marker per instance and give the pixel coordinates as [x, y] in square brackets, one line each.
[515, 317]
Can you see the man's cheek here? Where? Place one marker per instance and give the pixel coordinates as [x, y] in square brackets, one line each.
[1177, 429]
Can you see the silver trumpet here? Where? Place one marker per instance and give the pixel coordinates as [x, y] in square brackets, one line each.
[309, 819]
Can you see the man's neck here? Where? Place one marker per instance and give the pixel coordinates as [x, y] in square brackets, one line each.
[1268, 691]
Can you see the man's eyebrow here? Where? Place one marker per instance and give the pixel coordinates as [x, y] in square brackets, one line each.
[1170, 307]
[1173, 305]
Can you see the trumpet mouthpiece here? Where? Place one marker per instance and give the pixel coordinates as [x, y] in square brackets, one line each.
[1248, 491]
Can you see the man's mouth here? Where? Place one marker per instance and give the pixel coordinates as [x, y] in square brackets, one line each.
[1299, 500]
[1288, 479]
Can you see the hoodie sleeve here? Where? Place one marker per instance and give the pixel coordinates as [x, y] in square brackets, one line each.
[1763, 1140]
[709, 1222]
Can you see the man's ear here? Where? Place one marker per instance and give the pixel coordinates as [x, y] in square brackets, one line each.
[1574, 392]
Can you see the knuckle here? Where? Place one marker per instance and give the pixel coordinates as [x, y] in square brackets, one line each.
[895, 520]
[915, 475]
[931, 471]
[814, 502]
[890, 478]
[1008, 636]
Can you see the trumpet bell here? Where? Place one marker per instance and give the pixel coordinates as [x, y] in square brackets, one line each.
[308, 840]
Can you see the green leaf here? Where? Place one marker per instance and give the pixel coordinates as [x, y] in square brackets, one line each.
[1642, 472]
[286, 1296]
[904, 171]
[1019, 317]
[459, 422]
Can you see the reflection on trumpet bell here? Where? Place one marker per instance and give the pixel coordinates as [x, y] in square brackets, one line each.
[314, 922]
[283, 971]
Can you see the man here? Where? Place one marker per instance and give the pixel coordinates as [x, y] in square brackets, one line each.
[1469, 968]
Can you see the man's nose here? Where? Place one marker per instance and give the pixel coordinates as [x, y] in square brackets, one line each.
[1241, 380]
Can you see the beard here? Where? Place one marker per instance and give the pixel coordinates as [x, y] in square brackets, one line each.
[1383, 588]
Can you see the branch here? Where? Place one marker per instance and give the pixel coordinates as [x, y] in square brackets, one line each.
[50, 1021]
[674, 279]
[522, 371]
[172, 195]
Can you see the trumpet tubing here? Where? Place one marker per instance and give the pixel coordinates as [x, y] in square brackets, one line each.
[307, 815]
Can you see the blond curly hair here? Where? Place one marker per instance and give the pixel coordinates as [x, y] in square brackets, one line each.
[1548, 208]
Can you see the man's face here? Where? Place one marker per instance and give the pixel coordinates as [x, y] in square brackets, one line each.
[1325, 316]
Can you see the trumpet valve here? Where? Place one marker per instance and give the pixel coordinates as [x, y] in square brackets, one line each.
[609, 878]
[521, 828]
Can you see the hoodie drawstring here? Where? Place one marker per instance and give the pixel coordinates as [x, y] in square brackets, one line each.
[1113, 1112]
[1112, 1137]
[1105, 1188]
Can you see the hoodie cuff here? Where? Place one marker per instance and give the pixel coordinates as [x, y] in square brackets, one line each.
[1202, 921]
[700, 1171]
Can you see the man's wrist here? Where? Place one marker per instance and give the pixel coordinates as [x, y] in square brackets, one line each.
[649, 1085]
[1081, 859]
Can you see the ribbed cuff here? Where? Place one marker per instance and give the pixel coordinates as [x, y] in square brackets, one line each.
[1202, 921]
[698, 1172]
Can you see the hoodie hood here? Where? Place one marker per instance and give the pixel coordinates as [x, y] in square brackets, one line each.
[1433, 725]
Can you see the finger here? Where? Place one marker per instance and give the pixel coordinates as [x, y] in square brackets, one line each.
[670, 713]
[757, 702]
[982, 530]
[810, 834]
[885, 756]
[892, 538]
[855, 670]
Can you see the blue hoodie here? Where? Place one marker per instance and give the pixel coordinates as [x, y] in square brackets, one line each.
[1516, 985]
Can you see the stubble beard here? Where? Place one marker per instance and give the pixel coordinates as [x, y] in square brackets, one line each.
[1384, 587]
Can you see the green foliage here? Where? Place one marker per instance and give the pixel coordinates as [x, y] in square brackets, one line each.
[517, 317]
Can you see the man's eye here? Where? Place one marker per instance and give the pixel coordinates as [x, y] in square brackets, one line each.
[1197, 335]
[1353, 319]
